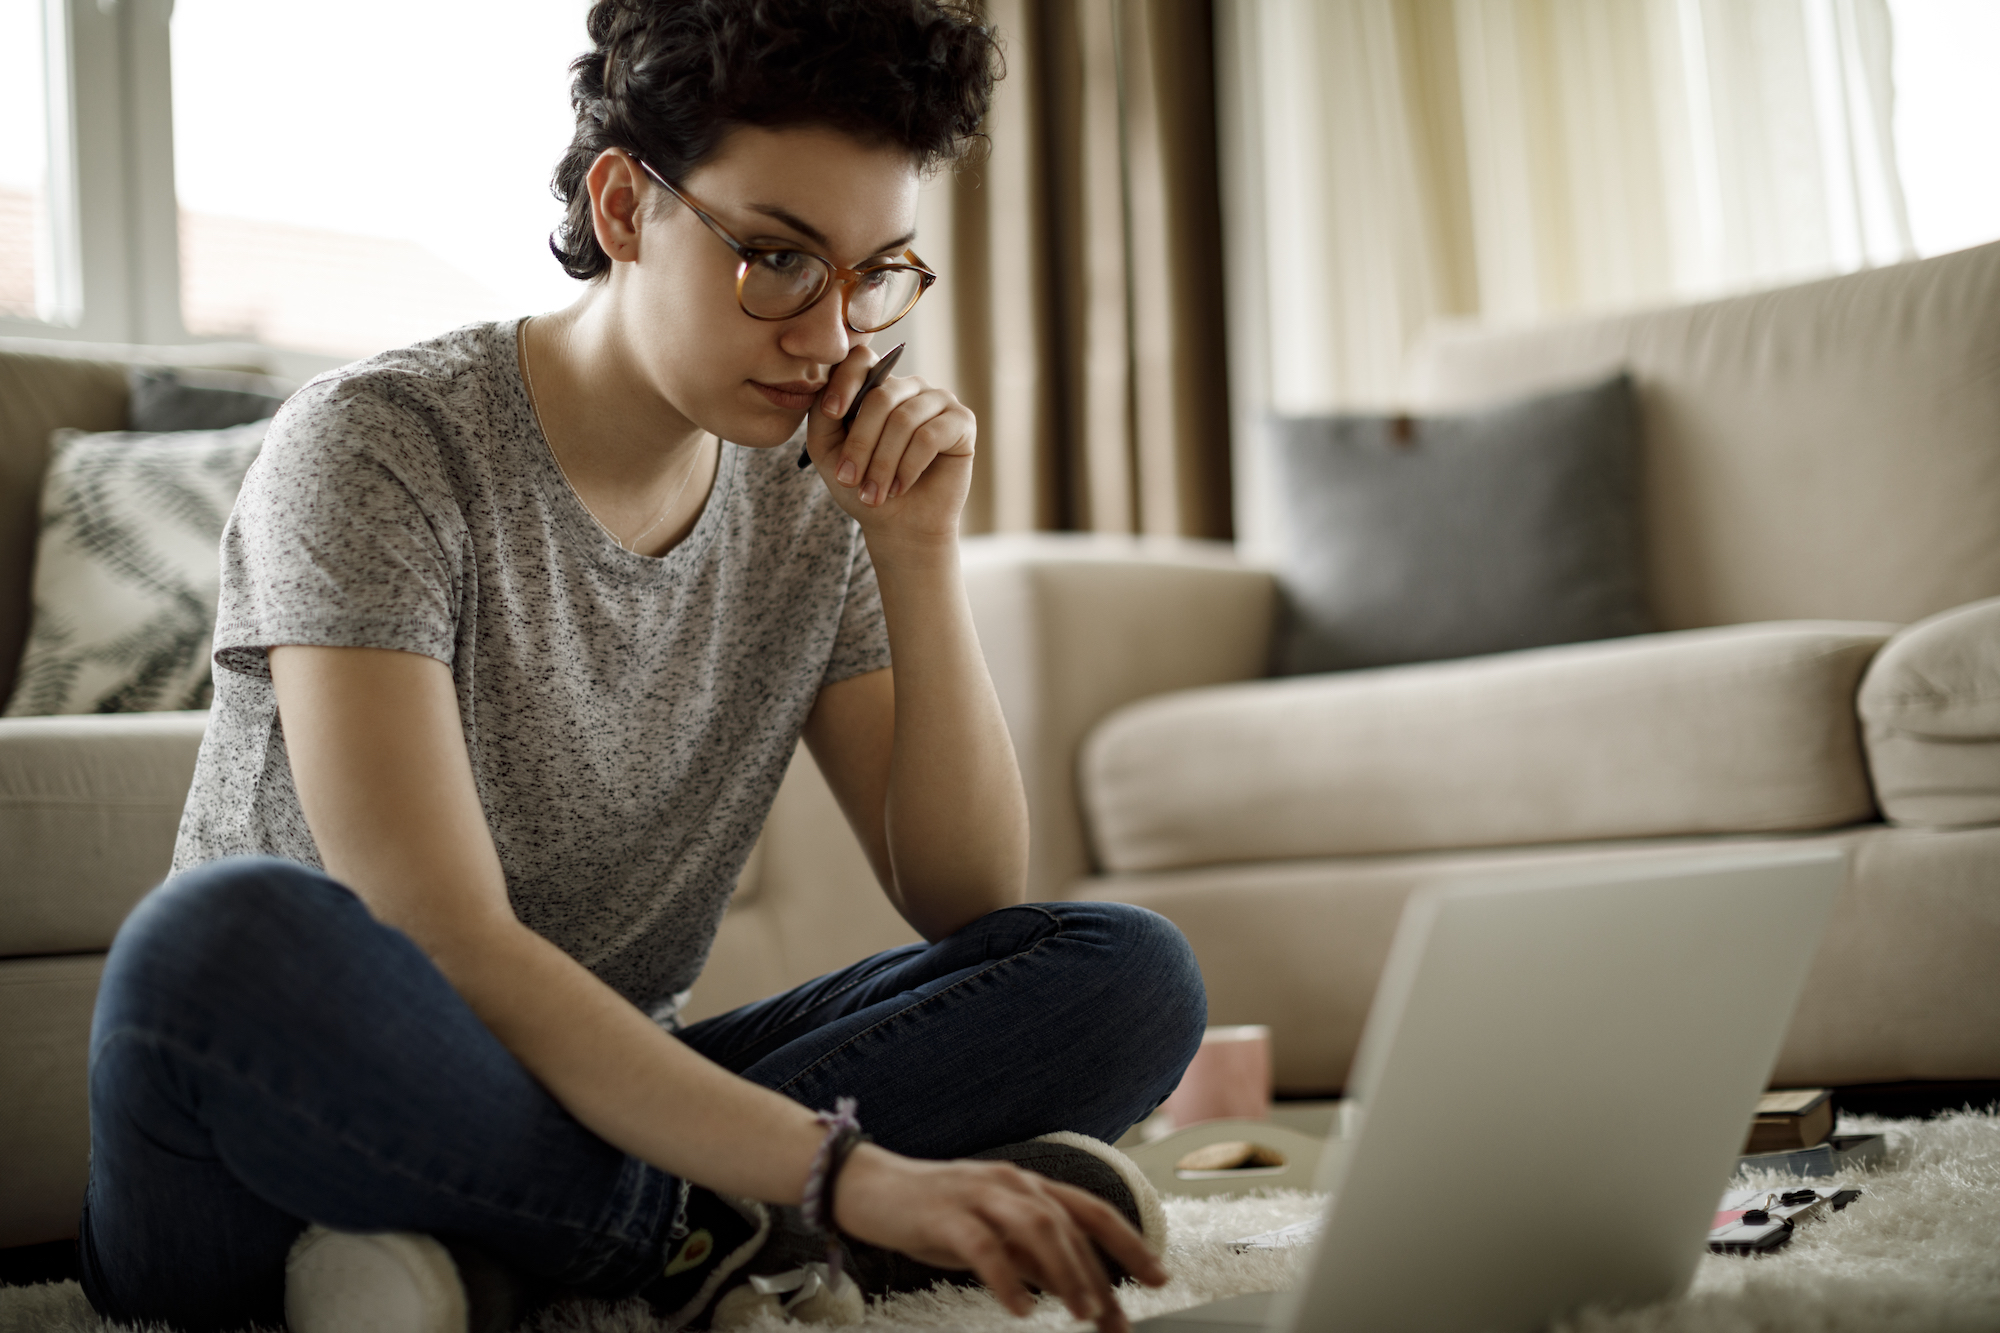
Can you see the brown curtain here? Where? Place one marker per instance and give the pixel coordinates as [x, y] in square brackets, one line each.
[1081, 312]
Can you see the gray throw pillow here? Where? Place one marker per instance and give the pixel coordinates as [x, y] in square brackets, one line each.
[164, 398]
[128, 567]
[1414, 539]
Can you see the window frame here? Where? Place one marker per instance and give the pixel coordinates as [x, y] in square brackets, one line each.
[114, 219]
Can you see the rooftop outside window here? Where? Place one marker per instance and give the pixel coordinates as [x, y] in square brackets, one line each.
[354, 181]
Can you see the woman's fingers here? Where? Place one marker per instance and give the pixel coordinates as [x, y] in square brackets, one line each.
[1013, 1229]
[823, 430]
[915, 432]
[949, 432]
[1056, 1254]
[875, 443]
[980, 1248]
[1051, 1242]
[899, 432]
[1105, 1225]
[842, 384]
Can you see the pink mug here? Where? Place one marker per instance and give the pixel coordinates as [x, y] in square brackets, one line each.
[1228, 1079]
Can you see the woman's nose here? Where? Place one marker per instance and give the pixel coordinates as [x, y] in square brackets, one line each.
[820, 334]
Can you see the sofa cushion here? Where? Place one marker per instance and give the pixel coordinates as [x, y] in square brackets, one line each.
[1743, 729]
[88, 811]
[168, 398]
[128, 570]
[1414, 539]
[1930, 710]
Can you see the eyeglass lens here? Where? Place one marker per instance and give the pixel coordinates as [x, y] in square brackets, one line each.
[779, 284]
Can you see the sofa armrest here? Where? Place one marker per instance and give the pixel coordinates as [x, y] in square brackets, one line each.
[806, 902]
[1930, 712]
[89, 807]
[1074, 627]
[45, 1007]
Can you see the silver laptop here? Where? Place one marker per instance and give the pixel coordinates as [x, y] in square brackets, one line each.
[1554, 1083]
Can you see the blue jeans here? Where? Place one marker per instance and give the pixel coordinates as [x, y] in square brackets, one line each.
[266, 1054]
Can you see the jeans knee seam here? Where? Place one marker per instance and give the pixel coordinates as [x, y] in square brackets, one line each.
[775, 1038]
[771, 1038]
[869, 976]
[929, 999]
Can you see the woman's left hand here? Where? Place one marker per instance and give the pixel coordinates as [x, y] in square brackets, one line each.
[904, 468]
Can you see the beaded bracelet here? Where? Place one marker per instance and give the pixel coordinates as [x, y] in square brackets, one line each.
[843, 1134]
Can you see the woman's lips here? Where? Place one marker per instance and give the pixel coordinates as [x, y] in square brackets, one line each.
[794, 397]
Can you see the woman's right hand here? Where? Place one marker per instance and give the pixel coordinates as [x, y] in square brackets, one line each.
[1010, 1227]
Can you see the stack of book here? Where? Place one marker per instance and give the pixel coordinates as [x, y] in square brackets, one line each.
[1793, 1133]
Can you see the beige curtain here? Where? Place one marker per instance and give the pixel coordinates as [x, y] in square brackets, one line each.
[1397, 161]
[1081, 311]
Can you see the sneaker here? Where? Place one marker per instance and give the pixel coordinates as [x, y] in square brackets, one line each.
[386, 1282]
[741, 1261]
[400, 1282]
[1096, 1168]
[403, 1282]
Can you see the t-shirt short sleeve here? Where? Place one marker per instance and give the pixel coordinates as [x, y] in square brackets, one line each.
[862, 645]
[344, 535]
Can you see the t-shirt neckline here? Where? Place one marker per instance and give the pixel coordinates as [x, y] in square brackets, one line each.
[575, 517]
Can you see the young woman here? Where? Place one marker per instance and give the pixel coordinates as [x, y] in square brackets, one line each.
[519, 629]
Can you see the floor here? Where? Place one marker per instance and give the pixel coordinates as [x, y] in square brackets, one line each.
[56, 1261]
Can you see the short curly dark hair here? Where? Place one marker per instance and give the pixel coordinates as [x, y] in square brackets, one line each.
[667, 79]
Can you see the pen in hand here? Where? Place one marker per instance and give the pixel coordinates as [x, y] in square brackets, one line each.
[876, 374]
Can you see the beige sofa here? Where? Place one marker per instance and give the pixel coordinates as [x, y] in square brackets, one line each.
[1823, 542]
[1829, 454]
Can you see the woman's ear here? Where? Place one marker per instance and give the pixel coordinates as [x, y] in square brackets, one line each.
[615, 198]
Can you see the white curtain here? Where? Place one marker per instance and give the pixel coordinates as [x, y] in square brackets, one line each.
[1387, 163]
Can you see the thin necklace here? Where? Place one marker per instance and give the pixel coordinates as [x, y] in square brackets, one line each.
[534, 406]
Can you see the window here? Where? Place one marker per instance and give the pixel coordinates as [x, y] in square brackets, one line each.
[392, 185]
[338, 181]
[92, 174]
[26, 261]
[1948, 120]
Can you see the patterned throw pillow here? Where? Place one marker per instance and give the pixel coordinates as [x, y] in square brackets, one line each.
[127, 569]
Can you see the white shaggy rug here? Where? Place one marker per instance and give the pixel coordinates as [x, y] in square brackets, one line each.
[1920, 1252]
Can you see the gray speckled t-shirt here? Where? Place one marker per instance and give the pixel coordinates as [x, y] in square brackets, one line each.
[628, 718]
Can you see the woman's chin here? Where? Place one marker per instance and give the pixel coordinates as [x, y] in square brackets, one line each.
[766, 428]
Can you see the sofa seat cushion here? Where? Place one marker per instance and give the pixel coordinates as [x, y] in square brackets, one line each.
[1901, 988]
[88, 811]
[1930, 709]
[1742, 729]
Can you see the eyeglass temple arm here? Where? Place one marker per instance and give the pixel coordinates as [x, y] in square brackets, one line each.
[743, 252]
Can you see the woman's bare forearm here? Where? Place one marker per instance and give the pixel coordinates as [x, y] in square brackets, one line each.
[955, 814]
[623, 1077]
